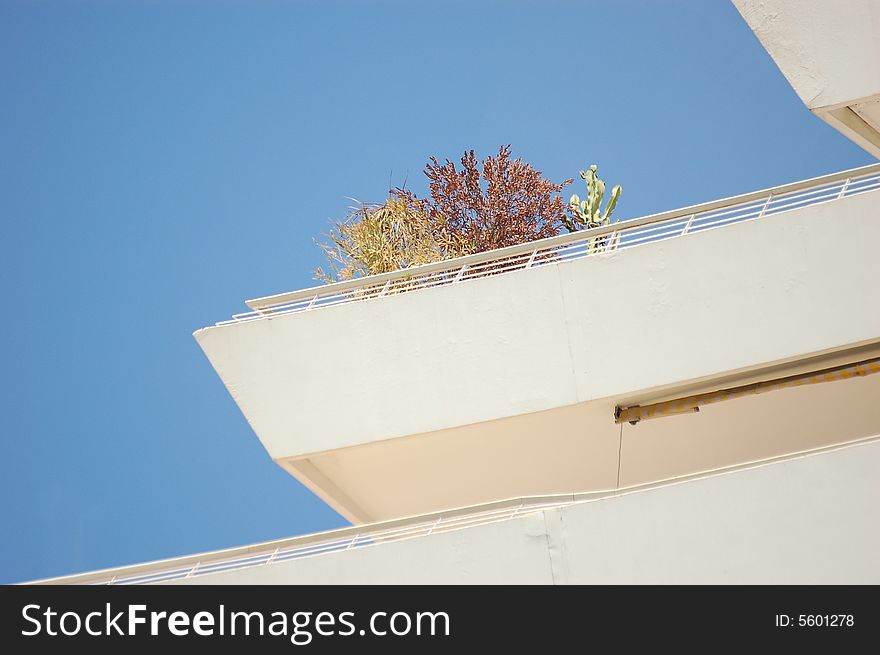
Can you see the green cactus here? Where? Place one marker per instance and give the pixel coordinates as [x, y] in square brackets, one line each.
[588, 213]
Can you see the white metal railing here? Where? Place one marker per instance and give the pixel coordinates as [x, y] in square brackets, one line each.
[322, 543]
[617, 236]
[273, 552]
[368, 537]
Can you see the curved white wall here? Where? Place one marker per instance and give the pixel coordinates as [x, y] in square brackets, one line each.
[809, 519]
[830, 54]
[619, 325]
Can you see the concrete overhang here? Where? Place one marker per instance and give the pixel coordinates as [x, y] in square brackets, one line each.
[770, 522]
[830, 54]
[505, 385]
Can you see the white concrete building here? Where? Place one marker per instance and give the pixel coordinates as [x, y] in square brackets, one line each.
[830, 54]
[683, 397]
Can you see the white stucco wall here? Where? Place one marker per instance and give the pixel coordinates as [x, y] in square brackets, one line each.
[830, 54]
[625, 323]
[809, 519]
[829, 51]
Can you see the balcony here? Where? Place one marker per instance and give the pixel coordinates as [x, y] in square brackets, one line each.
[766, 523]
[829, 54]
[504, 374]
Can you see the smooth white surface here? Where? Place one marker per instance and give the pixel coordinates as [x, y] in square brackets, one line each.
[575, 449]
[828, 51]
[830, 54]
[869, 111]
[804, 520]
[505, 386]
[570, 449]
[618, 325]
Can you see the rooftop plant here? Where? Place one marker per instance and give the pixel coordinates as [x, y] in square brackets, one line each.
[494, 203]
[588, 213]
[379, 238]
[483, 205]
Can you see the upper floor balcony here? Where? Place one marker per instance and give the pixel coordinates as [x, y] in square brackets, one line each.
[830, 54]
[534, 369]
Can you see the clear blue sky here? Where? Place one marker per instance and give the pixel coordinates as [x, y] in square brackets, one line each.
[162, 161]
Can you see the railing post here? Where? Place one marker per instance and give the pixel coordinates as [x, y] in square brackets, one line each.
[610, 243]
[193, 570]
[766, 204]
[439, 518]
[687, 226]
[353, 541]
[272, 557]
[734, 209]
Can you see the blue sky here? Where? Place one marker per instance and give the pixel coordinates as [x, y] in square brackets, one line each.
[162, 161]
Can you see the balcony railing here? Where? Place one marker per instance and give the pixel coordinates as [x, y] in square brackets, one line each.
[757, 205]
[323, 543]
